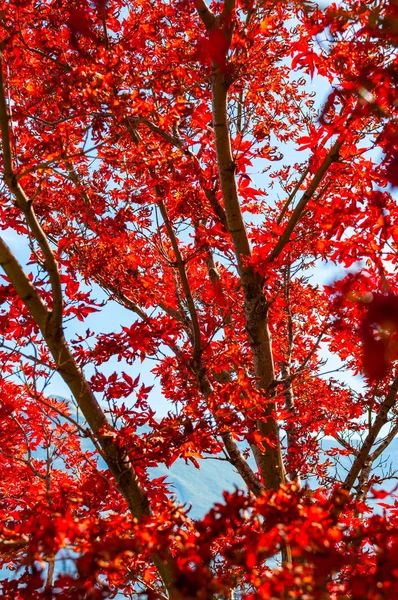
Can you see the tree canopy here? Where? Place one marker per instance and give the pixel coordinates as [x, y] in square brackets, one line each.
[175, 156]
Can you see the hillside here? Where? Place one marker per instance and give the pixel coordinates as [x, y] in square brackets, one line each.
[203, 487]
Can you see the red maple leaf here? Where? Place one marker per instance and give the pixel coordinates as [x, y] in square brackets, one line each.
[214, 46]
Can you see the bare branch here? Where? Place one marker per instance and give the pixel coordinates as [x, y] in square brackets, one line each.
[292, 195]
[229, 6]
[50, 573]
[379, 422]
[236, 459]
[363, 481]
[384, 443]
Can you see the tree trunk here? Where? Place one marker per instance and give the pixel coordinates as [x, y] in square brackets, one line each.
[270, 462]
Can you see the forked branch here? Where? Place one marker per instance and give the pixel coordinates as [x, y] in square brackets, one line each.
[380, 421]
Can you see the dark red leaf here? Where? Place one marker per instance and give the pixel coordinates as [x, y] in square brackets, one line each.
[378, 329]
[215, 47]
[79, 25]
[392, 171]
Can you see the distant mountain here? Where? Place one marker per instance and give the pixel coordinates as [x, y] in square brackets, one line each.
[201, 488]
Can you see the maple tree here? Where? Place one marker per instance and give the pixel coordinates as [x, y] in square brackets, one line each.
[142, 150]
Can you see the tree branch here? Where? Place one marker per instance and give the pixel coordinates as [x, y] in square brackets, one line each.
[197, 346]
[115, 456]
[8, 546]
[229, 6]
[345, 444]
[364, 452]
[330, 158]
[74, 177]
[291, 433]
[385, 443]
[270, 462]
[179, 143]
[292, 195]
[207, 16]
[25, 205]
[122, 298]
[235, 456]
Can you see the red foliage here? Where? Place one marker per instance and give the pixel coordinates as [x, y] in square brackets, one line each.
[79, 25]
[165, 229]
[214, 46]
